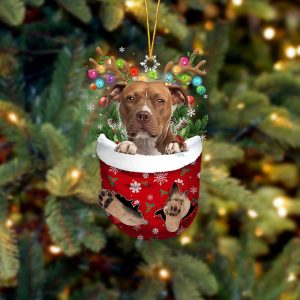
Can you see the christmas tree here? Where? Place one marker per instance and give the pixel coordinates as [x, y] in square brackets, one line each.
[55, 240]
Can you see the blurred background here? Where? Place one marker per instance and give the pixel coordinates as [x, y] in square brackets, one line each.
[56, 243]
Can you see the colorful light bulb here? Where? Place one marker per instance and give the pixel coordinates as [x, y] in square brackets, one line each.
[134, 71]
[99, 83]
[197, 80]
[92, 74]
[201, 90]
[184, 61]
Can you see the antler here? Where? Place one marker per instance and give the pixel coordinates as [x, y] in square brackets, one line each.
[110, 64]
[178, 69]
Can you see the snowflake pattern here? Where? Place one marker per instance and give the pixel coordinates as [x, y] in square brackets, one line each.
[100, 126]
[191, 112]
[121, 49]
[155, 231]
[140, 237]
[135, 187]
[145, 175]
[203, 137]
[113, 170]
[136, 202]
[198, 175]
[180, 181]
[160, 178]
[193, 190]
[155, 63]
[90, 107]
[205, 96]
[150, 197]
[137, 227]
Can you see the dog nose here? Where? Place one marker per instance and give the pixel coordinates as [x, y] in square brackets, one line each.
[143, 116]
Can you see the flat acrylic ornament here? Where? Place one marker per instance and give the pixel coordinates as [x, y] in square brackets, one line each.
[145, 184]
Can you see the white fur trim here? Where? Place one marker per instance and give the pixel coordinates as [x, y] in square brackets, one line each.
[147, 163]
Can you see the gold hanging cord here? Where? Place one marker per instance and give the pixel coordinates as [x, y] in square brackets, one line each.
[151, 43]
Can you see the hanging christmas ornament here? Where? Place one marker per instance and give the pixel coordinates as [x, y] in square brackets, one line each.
[92, 74]
[149, 185]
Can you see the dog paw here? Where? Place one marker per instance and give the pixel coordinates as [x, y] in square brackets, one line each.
[105, 198]
[126, 147]
[172, 208]
[175, 147]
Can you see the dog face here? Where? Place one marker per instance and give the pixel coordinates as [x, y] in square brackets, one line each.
[146, 107]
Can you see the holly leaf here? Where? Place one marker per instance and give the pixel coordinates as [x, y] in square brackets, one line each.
[163, 192]
[184, 170]
[149, 206]
[112, 181]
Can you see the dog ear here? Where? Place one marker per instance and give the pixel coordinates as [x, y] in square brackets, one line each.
[178, 96]
[174, 188]
[116, 91]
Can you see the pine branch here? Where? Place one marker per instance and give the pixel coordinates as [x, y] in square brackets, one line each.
[9, 263]
[148, 290]
[57, 147]
[95, 292]
[218, 183]
[32, 274]
[77, 8]
[12, 12]
[112, 14]
[62, 227]
[12, 171]
[192, 269]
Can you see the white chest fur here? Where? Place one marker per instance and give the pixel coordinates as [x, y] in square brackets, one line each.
[146, 145]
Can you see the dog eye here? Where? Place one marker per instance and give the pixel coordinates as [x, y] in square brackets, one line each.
[130, 98]
[160, 100]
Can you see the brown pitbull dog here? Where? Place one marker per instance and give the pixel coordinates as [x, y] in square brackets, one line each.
[146, 110]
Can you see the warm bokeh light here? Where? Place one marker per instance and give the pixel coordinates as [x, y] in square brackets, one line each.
[12, 117]
[222, 211]
[273, 116]
[164, 274]
[278, 201]
[279, 66]
[240, 105]
[185, 239]
[207, 157]
[269, 33]
[290, 52]
[292, 277]
[259, 232]
[237, 2]
[298, 50]
[9, 223]
[131, 3]
[282, 212]
[75, 173]
[252, 213]
[54, 249]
